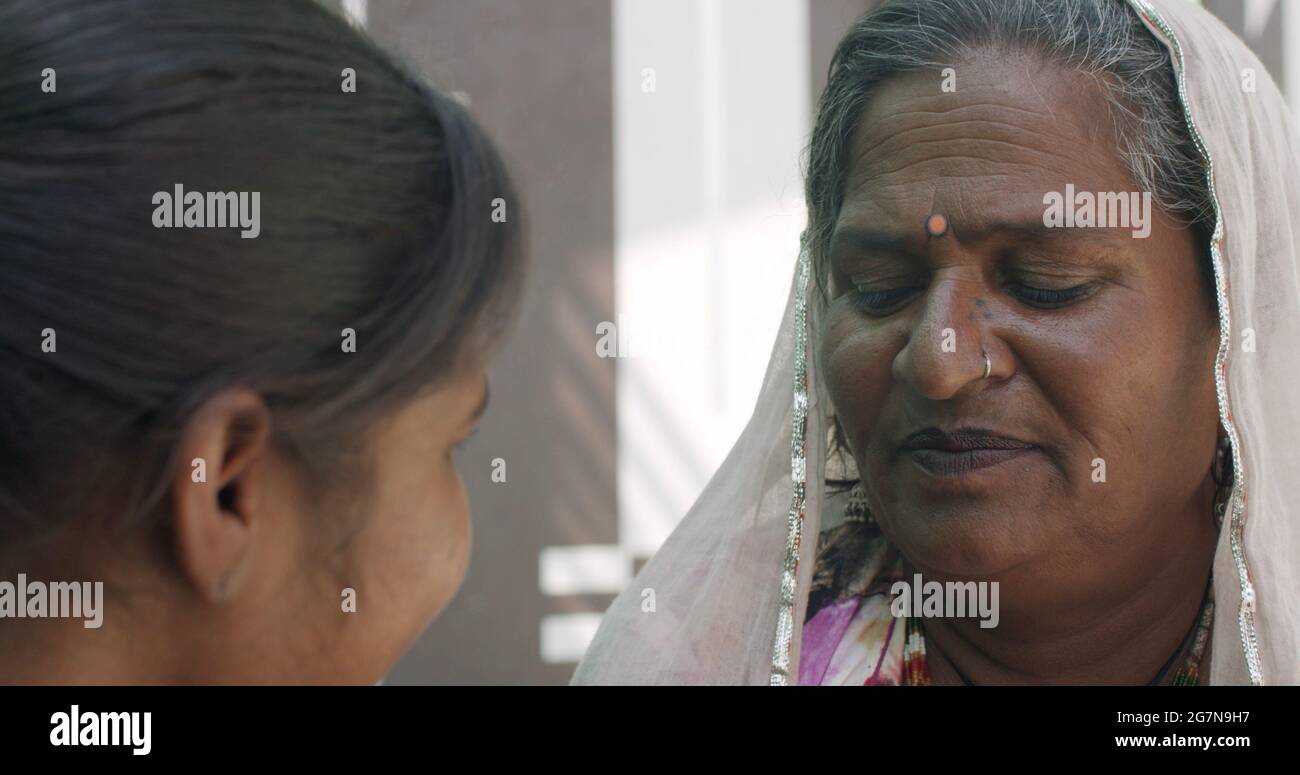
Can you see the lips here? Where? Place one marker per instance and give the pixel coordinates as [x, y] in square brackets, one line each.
[962, 451]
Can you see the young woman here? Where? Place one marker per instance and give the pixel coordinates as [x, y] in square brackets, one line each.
[250, 273]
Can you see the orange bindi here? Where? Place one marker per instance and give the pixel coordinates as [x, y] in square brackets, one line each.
[936, 225]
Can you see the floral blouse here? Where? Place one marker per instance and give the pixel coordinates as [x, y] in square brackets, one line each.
[850, 637]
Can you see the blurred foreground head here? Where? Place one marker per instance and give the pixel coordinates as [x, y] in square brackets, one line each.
[252, 270]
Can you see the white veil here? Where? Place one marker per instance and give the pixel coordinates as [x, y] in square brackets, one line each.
[731, 583]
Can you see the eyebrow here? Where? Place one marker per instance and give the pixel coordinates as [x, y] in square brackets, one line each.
[867, 239]
[892, 242]
[1036, 230]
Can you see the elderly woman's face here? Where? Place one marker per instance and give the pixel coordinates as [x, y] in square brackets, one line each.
[1082, 453]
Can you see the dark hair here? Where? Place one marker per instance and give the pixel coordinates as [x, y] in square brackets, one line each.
[377, 212]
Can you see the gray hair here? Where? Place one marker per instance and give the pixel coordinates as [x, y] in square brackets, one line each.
[1102, 39]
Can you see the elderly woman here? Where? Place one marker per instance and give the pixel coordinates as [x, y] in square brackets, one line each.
[1030, 418]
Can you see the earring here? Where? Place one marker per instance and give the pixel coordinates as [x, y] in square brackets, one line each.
[856, 509]
[1222, 474]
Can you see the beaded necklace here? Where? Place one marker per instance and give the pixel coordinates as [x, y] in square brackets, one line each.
[916, 668]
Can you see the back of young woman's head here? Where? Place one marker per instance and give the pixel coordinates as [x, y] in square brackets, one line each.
[377, 269]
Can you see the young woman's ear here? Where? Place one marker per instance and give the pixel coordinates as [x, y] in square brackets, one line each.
[223, 457]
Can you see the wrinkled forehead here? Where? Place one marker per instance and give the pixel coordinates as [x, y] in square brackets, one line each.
[993, 129]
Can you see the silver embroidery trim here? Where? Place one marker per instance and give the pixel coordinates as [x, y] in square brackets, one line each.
[781, 647]
[1247, 603]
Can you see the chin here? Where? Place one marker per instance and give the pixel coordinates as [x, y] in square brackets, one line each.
[960, 543]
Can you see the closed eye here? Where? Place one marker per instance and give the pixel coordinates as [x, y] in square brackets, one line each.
[879, 303]
[1049, 298]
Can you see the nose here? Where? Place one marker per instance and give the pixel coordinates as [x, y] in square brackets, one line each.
[945, 352]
